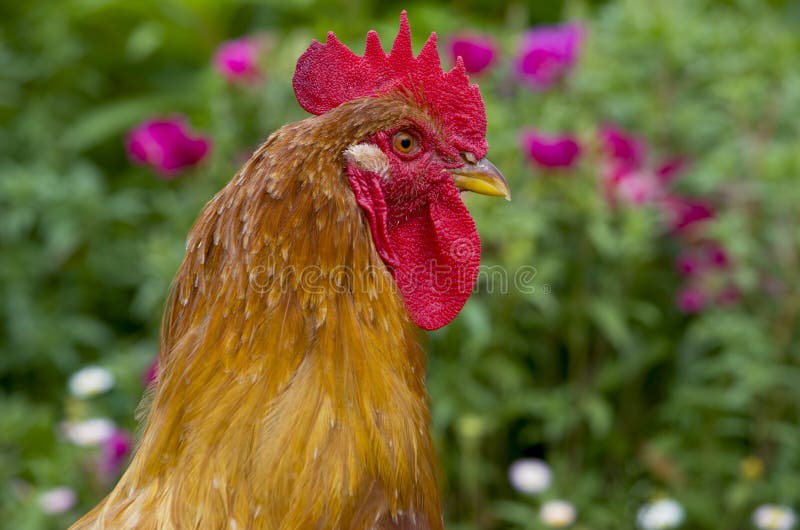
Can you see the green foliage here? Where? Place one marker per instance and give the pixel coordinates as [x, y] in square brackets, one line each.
[591, 366]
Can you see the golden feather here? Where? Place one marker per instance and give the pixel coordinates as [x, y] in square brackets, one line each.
[291, 391]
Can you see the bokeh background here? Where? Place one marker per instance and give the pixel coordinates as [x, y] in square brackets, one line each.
[647, 375]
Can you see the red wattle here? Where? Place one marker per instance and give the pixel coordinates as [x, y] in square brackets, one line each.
[367, 189]
[433, 252]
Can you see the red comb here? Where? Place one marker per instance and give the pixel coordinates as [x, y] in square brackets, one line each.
[329, 74]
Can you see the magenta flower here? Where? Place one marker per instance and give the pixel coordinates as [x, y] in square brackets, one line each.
[166, 145]
[689, 264]
[729, 296]
[716, 255]
[638, 187]
[548, 53]
[478, 52]
[151, 374]
[683, 213]
[691, 300]
[626, 176]
[624, 150]
[707, 264]
[670, 170]
[559, 151]
[237, 60]
[702, 258]
[114, 453]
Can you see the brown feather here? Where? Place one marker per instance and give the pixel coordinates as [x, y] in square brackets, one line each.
[291, 393]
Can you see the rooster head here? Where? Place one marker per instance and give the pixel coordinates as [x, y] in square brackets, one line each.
[408, 173]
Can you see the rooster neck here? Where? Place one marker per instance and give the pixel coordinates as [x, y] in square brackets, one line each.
[291, 392]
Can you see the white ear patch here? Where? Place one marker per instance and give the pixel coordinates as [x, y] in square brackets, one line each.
[368, 157]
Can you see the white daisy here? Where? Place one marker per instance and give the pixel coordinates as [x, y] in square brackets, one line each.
[558, 514]
[90, 381]
[660, 515]
[57, 500]
[91, 432]
[772, 517]
[530, 475]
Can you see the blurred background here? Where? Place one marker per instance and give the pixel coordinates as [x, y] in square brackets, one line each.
[645, 371]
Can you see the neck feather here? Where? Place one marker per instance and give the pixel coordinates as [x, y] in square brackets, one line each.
[292, 389]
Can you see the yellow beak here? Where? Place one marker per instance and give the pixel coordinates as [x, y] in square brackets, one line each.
[481, 177]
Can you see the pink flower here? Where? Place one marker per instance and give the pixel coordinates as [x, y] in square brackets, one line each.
[691, 300]
[151, 374]
[729, 296]
[166, 145]
[237, 60]
[702, 259]
[707, 263]
[668, 171]
[623, 150]
[716, 255]
[638, 187]
[683, 213]
[478, 52]
[115, 451]
[548, 53]
[625, 175]
[559, 151]
[688, 264]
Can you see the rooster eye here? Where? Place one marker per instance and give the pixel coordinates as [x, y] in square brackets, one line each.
[405, 143]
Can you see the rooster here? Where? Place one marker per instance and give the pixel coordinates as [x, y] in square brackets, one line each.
[291, 391]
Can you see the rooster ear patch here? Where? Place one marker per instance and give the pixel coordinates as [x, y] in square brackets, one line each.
[368, 157]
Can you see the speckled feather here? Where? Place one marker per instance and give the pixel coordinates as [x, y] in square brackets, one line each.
[291, 389]
[278, 406]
